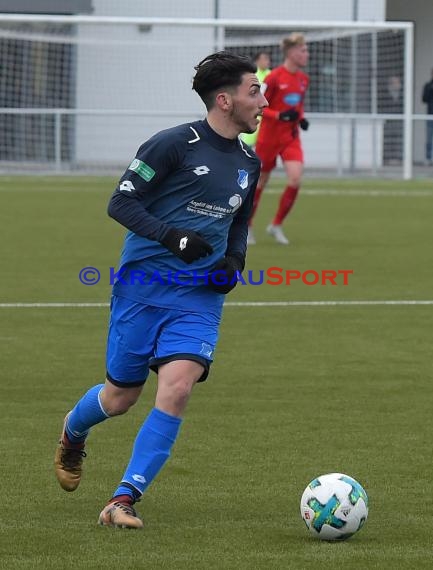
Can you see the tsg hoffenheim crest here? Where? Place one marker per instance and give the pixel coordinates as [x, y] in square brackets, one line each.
[243, 179]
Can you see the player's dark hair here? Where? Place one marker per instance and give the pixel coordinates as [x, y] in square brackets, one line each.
[221, 70]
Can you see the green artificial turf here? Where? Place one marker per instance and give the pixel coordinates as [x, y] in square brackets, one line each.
[296, 391]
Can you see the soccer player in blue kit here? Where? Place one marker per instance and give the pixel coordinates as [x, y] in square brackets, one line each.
[185, 199]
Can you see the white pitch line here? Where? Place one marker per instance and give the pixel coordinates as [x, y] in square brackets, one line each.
[366, 193]
[323, 303]
[50, 305]
[305, 192]
[234, 304]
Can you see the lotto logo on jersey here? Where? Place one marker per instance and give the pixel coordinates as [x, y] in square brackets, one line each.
[200, 170]
[126, 186]
[292, 99]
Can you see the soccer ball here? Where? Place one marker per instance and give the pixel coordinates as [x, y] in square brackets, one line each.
[334, 506]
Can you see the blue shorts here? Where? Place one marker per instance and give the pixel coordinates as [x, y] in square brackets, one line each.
[142, 337]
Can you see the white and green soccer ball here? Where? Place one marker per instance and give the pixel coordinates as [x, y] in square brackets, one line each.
[334, 506]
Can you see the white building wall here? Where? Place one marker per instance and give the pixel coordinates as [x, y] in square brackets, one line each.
[246, 9]
[288, 10]
[152, 9]
[120, 76]
[371, 10]
[421, 13]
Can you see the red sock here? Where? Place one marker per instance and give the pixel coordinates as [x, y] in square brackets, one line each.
[71, 445]
[286, 203]
[256, 201]
[126, 499]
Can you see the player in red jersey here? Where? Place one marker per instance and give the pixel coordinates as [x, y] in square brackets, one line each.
[285, 89]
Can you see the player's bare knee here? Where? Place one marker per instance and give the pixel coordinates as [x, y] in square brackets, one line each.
[175, 383]
[118, 406]
[182, 388]
[263, 179]
[295, 181]
[117, 401]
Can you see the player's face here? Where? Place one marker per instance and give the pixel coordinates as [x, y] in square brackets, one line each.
[263, 61]
[248, 103]
[299, 55]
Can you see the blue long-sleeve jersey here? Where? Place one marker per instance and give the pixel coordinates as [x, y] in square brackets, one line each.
[187, 177]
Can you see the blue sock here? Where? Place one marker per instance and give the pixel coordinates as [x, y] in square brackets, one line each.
[151, 450]
[87, 412]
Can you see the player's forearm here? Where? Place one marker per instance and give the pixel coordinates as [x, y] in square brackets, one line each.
[237, 241]
[132, 215]
[238, 233]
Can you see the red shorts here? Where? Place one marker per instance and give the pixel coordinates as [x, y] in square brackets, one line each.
[288, 151]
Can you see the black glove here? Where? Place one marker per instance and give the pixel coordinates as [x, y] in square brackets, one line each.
[223, 277]
[187, 245]
[290, 115]
[304, 124]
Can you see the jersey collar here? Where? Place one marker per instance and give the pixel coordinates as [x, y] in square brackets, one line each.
[216, 140]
